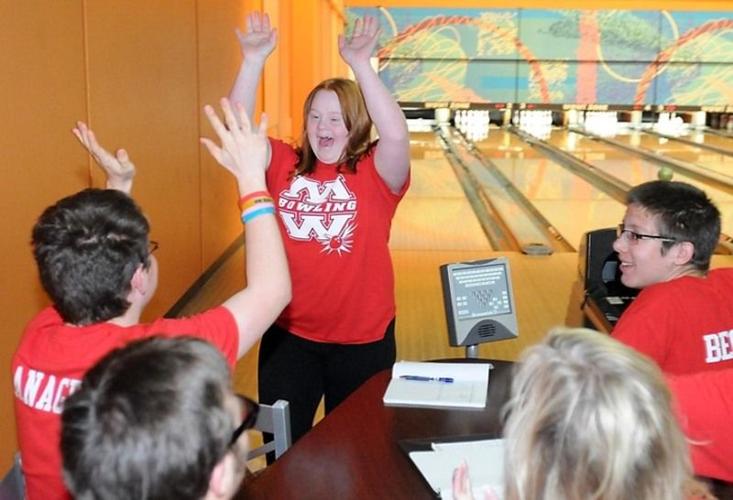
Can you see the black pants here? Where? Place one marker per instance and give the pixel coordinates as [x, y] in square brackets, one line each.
[302, 371]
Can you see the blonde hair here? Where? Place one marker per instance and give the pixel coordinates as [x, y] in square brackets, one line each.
[590, 418]
[356, 119]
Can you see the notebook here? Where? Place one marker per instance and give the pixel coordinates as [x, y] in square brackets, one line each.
[436, 461]
[438, 385]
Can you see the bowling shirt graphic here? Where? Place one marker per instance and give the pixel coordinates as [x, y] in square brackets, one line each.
[323, 212]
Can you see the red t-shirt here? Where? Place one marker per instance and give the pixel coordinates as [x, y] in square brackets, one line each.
[335, 227]
[685, 325]
[49, 364]
[704, 407]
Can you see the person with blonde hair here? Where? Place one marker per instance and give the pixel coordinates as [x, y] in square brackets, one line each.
[335, 193]
[589, 418]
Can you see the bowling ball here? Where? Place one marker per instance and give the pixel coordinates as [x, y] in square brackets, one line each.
[665, 174]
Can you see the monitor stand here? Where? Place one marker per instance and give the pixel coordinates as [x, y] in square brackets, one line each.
[472, 351]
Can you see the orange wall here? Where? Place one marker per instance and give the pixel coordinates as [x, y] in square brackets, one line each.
[43, 91]
[139, 72]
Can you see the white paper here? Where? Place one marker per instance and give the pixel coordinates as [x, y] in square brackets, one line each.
[485, 460]
[467, 390]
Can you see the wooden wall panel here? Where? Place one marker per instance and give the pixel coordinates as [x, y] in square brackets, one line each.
[138, 72]
[142, 64]
[273, 84]
[279, 85]
[219, 57]
[41, 95]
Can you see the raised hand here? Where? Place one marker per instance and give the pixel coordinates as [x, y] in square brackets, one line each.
[462, 489]
[243, 150]
[259, 39]
[359, 45]
[118, 168]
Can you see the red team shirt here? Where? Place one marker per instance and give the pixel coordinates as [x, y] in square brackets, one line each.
[335, 227]
[704, 405]
[685, 325]
[49, 364]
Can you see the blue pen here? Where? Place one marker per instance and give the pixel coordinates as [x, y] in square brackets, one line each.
[419, 378]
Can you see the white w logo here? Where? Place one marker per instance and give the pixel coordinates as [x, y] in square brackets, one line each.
[314, 226]
[324, 212]
[333, 190]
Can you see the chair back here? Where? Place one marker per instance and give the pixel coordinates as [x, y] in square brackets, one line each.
[12, 486]
[273, 419]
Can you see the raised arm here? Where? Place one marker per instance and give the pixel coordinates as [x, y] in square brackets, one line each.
[243, 153]
[118, 168]
[392, 157]
[257, 43]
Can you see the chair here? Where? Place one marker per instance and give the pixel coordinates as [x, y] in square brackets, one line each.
[273, 419]
[605, 295]
[12, 486]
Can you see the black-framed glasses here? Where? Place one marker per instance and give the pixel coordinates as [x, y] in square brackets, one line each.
[251, 410]
[152, 246]
[633, 236]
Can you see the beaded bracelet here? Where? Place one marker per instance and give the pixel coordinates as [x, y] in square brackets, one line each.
[250, 215]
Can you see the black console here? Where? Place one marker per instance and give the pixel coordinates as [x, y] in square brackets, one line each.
[599, 271]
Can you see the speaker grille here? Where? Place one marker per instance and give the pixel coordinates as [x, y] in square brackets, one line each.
[486, 330]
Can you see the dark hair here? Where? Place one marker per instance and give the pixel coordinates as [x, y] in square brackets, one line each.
[684, 213]
[148, 422]
[356, 119]
[87, 247]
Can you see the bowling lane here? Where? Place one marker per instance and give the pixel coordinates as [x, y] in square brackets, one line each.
[634, 170]
[572, 204]
[716, 140]
[716, 162]
[434, 214]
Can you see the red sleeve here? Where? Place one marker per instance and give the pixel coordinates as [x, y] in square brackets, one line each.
[216, 326]
[281, 156]
[383, 187]
[643, 326]
[704, 408]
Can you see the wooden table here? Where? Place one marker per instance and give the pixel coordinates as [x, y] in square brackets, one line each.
[354, 452]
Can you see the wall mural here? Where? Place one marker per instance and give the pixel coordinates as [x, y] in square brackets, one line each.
[550, 57]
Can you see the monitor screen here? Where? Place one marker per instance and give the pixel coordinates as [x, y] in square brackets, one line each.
[481, 291]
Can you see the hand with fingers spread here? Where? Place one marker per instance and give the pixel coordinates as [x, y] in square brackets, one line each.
[259, 39]
[243, 149]
[359, 45]
[118, 167]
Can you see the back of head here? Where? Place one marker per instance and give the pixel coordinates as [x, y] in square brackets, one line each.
[87, 247]
[590, 418]
[356, 119]
[684, 213]
[148, 422]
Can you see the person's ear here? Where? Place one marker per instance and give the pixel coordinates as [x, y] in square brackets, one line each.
[684, 252]
[224, 479]
[139, 280]
[218, 481]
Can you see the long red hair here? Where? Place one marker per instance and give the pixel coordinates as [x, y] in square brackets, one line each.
[355, 116]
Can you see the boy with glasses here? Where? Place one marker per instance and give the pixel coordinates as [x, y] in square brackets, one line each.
[156, 419]
[95, 261]
[683, 317]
